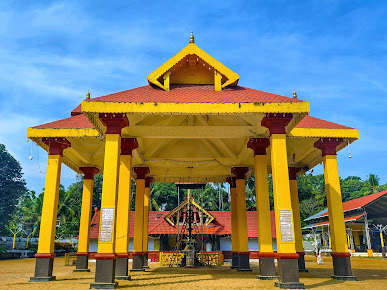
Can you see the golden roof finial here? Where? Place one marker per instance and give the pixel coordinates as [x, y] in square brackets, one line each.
[88, 95]
[295, 94]
[191, 38]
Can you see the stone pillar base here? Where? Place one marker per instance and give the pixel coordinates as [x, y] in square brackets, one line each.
[266, 266]
[235, 260]
[122, 267]
[145, 261]
[301, 262]
[244, 262]
[43, 268]
[138, 262]
[105, 269]
[288, 275]
[342, 269]
[82, 263]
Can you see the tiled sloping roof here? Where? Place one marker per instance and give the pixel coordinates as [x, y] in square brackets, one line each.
[194, 94]
[157, 225]
[74, 122]
[315, 123]
[347, 219]
[77, 110]
[359, 202]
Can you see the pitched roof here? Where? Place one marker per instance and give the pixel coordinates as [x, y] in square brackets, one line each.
[186, 93]
[74, 122]
[315, 123]
[157, 225]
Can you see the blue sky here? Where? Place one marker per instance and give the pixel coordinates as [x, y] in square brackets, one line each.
[334, 53]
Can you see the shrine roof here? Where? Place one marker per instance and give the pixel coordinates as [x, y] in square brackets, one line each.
[312, 122]
[79, 121]
[188, 93]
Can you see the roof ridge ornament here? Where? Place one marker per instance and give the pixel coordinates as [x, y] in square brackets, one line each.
[192, 38]
[88, 95]
[294, 94]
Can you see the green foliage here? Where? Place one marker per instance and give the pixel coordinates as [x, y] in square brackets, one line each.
[12, 186]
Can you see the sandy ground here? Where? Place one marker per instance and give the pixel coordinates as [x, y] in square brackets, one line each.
[371, 273]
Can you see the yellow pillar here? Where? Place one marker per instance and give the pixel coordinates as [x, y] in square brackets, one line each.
[266, 254]
[286, 246]
[340, 255]
[243, 239]
[138, 248]
[106, 257]
[234, 223]
[84, 227]
[145, 237]
[45, 253]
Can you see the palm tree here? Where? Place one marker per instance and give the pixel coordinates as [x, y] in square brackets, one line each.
[373, 180]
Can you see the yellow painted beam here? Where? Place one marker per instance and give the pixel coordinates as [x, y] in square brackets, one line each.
[263, 204]
[333, 133]
[33, 132]
[84, 227]
[139, 216]
[166, 81]
[50, 205]
[335, 205]
[282, 202]
[296, 215]
[123, 204]
[217, 81]
[106, 240]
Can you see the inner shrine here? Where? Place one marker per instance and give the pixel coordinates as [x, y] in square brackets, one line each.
[192, 124]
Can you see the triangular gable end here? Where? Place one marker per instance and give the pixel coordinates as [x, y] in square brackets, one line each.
[193, 66]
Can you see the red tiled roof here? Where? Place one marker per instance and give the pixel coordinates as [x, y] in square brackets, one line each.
[157, 225]
[74, 122]
[359, 202]
[77, 110]
[315, 123]
[194, 94]
[347, 219]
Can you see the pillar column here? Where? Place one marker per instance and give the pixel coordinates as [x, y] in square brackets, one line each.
[106, 257]
[234, 223]
[287, 258]
[138, 248]
[297, 218]
[148, 181]
[45, 255]
[84, 226]
[243, 239]
[123, 207]
[340, 255]
[266, 254]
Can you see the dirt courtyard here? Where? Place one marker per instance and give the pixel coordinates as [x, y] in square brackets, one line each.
[371, 273]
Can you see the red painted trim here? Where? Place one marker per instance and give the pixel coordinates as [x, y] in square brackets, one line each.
[301, 253]
[114, 122]
[276, 123]
[266, 255]
[56, 145]
[328, 145]
[258, 145]
[141, 172]
[122, 255]
[82, 254]
[89, 172]
[105, 256]
[287, 256]
[340, 255]
[231, 181]
[148, 181]
[293, 173]
[244, 253]
[45, 256]
[137, 253]
[128, 145]
[239, 172]
[234, 252]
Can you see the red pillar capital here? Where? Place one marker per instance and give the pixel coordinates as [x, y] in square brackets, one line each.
[56, 145]
[148, 181]
[293, 173]
[231, 181]
[128, 145]
[258, 145]
[239, 172]
[276, 122]
[114, 122]
[89, 172]
[141, 172]
[328, 145]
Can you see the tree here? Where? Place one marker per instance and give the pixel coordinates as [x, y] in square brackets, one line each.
[12, 186]
[373, 181]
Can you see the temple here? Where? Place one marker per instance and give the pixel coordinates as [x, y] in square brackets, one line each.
[192, 123]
